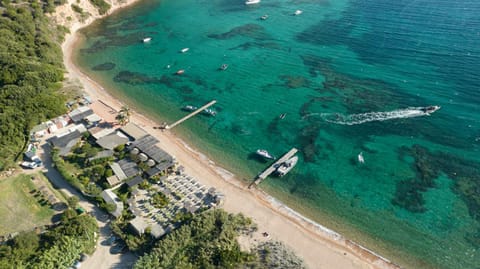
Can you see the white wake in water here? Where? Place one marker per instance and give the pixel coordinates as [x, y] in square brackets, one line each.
[355, 119]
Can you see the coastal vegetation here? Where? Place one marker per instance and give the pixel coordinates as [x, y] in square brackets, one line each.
[58, 247]
[31, 72]
[101, 5]
[207, 241]
[210, 240]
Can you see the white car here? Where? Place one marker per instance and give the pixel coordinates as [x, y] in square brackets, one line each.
[30, 165]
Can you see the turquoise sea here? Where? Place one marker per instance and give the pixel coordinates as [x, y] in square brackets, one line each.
[350, 76]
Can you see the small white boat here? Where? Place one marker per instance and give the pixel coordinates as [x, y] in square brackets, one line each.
[251, 2]
[224, 67]
[189, 108]
[184, 50]
[180, 72]
[360, 158]
[297, 12]
[147, 39]
[263, 153]
[209, 112]
[282, 116]
[286, 166]
[264, 17]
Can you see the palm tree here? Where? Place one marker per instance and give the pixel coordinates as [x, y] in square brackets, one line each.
[122, 120]
[123, 116]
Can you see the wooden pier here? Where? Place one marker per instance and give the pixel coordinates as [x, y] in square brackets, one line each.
[273, 167]
[191, 114]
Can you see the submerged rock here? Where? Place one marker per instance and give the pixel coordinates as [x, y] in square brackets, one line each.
[249, 30]
[104, 67]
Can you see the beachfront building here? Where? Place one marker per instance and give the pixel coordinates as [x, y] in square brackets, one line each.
[135, 181]
[133, 131]
[79, 114]
[100, 131]
[156, 158]
[112, 140]
[129, 168]
[66, 141]
[111, 198]
[117, 171]
[92, 120]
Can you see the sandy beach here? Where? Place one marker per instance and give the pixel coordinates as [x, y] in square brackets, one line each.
[318, 246]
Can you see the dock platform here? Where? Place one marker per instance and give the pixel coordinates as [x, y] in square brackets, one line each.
[211, 103]
[273, 167]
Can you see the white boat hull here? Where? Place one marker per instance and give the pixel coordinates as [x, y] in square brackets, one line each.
[288, 165]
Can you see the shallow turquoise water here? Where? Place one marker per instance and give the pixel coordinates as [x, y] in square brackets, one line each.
[416, 199]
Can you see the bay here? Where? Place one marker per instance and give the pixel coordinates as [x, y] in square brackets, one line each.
[350, 77]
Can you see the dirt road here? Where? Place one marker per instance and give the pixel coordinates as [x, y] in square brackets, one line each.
[101, 258]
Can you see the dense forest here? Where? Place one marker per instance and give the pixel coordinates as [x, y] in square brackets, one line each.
[30, 74]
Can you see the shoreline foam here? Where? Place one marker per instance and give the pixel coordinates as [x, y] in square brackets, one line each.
[325, 249]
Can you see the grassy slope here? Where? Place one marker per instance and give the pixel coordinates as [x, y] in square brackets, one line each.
[19, 209]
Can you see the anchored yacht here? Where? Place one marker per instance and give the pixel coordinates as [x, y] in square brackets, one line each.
[263, 153]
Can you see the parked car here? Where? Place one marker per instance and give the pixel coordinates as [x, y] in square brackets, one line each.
[38, 162]
[83, 257]
[76, 265]
[109, 241]
[30, 165]
[119, 248]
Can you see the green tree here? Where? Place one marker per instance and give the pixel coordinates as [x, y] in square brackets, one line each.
[123, 116]
[72, 201]
[110, 207]
[207, 241]
[25, 245]
[30, 71]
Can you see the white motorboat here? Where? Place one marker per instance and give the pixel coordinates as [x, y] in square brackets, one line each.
[251, 2]
[360, 158]
[263, 153]
[429, 109]
[297, 12]
[184, 50]
[180, 72]
[264, 17]
[209, 112]
[224, 67]
[189, 108]
[286, 166]
[147, 39]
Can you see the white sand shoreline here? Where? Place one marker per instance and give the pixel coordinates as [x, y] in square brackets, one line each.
[319, 246]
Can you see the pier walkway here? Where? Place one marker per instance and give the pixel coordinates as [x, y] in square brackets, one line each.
[273, 167]
[191, 115]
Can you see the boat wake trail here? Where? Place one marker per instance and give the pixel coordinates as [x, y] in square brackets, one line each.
[355, 119]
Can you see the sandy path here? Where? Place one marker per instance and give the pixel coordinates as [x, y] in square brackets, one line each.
[319, 248]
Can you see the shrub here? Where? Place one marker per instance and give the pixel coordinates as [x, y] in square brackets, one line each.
[101, 5]
[77, 9]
